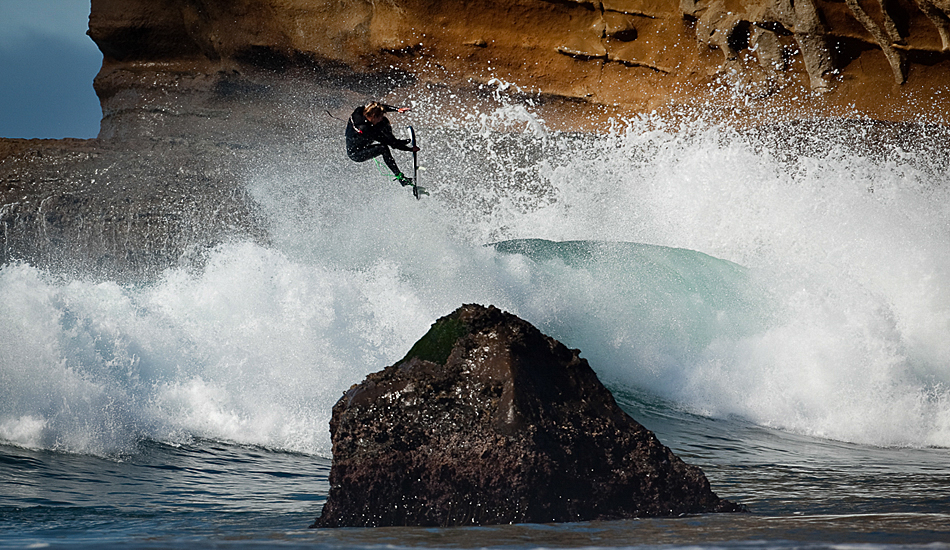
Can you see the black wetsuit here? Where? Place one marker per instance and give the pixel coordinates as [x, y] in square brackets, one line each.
[365, 140]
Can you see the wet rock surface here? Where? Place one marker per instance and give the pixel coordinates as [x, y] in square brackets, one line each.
[169, 176]
[489, 421]
[118, 211]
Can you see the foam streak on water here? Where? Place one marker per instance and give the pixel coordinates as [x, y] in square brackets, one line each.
[807, 292]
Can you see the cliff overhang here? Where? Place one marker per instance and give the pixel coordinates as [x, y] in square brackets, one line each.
[806, 58]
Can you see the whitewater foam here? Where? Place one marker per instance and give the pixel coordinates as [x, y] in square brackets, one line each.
[808, 293]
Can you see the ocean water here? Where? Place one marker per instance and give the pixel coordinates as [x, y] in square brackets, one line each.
[779, 317]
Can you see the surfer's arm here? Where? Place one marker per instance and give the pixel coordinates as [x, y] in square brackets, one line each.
[386, 137]
[401, 144]
[391, 109]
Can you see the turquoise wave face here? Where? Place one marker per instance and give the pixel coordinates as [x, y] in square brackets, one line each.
[645, 316]
[631, 306]
[723, 340]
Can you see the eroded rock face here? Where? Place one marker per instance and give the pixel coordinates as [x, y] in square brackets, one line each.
[489, 421]
[885, 59]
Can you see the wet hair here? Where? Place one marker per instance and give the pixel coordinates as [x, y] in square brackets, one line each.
[372, 110]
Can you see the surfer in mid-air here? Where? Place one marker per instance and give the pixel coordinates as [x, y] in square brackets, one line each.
[369, 135]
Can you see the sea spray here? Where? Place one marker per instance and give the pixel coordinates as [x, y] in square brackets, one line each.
[715, 271]
[846, 249]
[251, 349]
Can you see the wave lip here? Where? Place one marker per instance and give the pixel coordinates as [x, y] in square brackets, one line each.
[724, 340]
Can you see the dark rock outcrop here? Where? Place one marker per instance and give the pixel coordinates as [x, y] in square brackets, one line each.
[489, 421]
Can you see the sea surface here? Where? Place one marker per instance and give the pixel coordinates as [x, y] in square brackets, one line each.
[779, 317]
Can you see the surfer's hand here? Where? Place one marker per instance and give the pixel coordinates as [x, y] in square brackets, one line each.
[414, 149]
[403, 109]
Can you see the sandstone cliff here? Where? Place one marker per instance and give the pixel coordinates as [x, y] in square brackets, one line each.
[885, 59]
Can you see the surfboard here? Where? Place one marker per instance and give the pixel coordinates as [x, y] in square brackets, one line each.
[417, 191]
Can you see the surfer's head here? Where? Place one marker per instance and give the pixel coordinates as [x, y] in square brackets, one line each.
[373, 112]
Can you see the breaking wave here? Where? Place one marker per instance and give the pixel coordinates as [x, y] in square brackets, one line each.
[807, 291]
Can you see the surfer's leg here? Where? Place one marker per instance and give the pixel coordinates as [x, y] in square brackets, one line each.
[377, 150]
[390, 161]
[362, 155]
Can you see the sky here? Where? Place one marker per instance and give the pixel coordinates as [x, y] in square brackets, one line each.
[47, 64]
